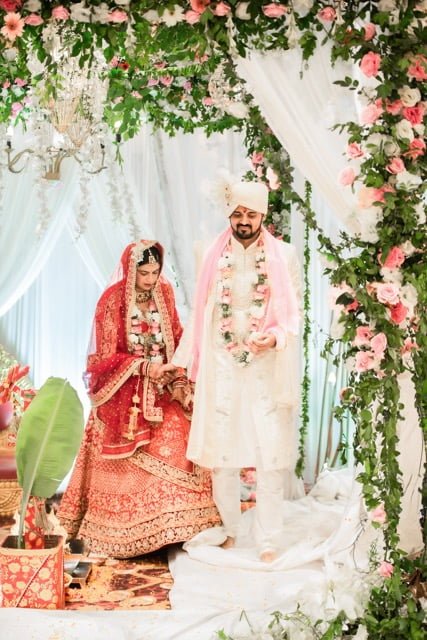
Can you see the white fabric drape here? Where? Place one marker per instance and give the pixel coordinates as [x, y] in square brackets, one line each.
[300, 109]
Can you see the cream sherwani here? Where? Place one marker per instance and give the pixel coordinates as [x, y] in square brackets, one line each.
[238, 410]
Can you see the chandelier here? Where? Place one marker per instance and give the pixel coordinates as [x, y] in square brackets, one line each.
[65, 116]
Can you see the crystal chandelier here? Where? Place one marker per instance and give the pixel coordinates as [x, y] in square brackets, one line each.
[66, 120]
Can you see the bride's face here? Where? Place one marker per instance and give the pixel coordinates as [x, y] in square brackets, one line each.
[147, 276]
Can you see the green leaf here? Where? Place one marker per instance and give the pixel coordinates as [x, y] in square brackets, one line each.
[48, 440]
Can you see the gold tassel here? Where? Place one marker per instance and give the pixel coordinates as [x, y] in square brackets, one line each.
[133, 419]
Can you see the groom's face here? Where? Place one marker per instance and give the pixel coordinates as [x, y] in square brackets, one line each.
[245, 223]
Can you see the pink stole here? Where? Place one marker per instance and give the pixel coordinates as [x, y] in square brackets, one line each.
[282, 307]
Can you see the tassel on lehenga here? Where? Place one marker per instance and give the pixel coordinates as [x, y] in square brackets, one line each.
[134, 411]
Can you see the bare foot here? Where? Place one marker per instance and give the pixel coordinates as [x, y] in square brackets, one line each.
[268, 556]
[228, 543]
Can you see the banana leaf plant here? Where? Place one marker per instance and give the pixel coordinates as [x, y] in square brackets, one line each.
[48, 439]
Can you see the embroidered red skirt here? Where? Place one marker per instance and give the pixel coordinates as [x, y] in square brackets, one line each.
[130, 506]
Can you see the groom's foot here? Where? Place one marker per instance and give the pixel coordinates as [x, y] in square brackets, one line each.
[268, 556]
[228, 543]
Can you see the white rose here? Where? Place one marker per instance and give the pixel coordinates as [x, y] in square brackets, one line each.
[100, 13]
[419, 129]
[237, 109]
[391, 148]
[409, 96]
[151, 16]
[33, 6]
[155, 317]
[302, 6]
[133, 338]
[387, 5]
[242, 11]
[391, 275]
[122, 3]
[407, 248]
[420, 211]
[404, 130]
[257, 312]
[159, 337]
[409, 295]
[407, 180]
[373, 142]
[10, 54]
[171, 18]
[80, 12]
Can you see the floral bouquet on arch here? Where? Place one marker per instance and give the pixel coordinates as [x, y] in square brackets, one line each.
[15, 396]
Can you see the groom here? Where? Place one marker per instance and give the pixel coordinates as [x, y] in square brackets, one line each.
[246, 318]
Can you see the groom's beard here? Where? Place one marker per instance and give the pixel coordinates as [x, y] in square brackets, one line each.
[246, 232]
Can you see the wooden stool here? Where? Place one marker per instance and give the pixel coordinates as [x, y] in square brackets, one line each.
[10, 491]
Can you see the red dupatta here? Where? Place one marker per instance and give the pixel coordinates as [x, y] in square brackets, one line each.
[123, 399]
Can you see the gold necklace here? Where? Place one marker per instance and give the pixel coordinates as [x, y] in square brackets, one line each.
[143, 296]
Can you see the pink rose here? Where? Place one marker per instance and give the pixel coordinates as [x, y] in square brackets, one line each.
[370, 30]
[19, 82]
[354, 150]
[259, 171]
[257, 157]
[417, 148]
[370, 64]
[192, 17]
[16, 108]
[365, 360]
[415, 115]
[388, 293]
[222, 9]
[187, 85]
[394, 107]
[418, 68]
[10, 5]
[6, 84]
[386, 569]
[274, 10]
[398, 313]
[378, 514]
[363, 336]
[166, 80]
[199, 5]
[347, 177]
[60, 13]
[328, 14]
[352, 306]
[378, 345]
[117, 16]
[114, 61]
[33, 20]
[408, 346]
[370, 114]
[395, 258]
[396, 166]
[207, 101]
[152, 82]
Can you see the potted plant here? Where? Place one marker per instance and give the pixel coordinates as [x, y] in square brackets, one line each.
[48, 438]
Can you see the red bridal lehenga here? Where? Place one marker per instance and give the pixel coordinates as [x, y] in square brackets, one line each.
[132, 489]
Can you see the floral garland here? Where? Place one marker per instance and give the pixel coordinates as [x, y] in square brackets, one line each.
[239, 348]
[145, 337]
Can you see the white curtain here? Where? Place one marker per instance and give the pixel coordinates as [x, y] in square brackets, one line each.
[49, 287]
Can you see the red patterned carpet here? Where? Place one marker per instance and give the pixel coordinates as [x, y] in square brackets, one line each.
[139, 583]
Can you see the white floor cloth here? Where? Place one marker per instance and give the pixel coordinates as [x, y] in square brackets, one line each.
[212, 586]
[323, 570]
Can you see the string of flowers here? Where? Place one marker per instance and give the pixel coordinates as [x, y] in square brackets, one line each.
[305, 385]
[145, 337]
[239, 347]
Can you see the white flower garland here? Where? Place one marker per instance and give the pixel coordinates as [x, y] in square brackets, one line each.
[240, 349]
[149, 342]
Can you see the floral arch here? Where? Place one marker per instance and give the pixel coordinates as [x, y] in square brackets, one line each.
[175, 64]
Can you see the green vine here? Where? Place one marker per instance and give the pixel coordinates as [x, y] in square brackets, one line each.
[305, 385]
